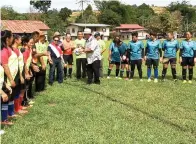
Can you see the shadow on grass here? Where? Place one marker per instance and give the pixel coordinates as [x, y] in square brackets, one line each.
[152, 116]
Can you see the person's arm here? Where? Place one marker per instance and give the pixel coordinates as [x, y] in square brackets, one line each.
[163, 46]
[49, 55]
[7, 72]
[42, 63]
[4, 62]
[92, 47]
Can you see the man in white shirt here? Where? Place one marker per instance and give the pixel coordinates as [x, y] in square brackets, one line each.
[93, 54]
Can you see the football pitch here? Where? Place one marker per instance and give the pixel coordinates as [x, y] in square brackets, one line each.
[115, 112]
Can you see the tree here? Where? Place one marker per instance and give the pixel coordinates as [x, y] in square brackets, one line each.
[88, 16]
[187, 11]
[110, 17]
[8, 13]
[65, 13]
[54, 21]
[41, 6]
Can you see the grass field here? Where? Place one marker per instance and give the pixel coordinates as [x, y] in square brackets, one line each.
[116, 112]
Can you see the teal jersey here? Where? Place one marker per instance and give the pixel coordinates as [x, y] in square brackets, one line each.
[153, 48]
[123, 48]
[135, 49]
[115, 53]
[188, 48]
[170, 48]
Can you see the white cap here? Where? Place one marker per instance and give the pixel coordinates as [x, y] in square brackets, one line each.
[87, 31]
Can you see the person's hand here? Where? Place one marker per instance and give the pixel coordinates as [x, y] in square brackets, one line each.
[46, 53]
[180, 60]
[22, 80]
[145, 58]
[9, 88]
[43, 67]
[27, 77]
[13, 84]
[35, 68]
[161, 59]
[50, 61]
[109, 59]
[4, 97]
[194, 60]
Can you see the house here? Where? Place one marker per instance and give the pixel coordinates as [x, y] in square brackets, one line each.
[25, 26]
[73, 28]
[125, 31]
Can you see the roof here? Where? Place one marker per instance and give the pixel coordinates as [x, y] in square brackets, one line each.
[135, 30]
[21, 26]
[89, 25]
[130, 26]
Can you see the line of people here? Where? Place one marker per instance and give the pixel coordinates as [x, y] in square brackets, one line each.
[24, 60]
[135, 53]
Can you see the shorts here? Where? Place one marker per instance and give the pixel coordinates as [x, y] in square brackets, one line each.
[154, 62]
[172, 61]
[114, 62]
[136, 62]
[187, 61]
[68, 59]
[124, 62]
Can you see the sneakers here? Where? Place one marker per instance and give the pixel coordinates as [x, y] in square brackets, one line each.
[155, 80]
[119, 78]
[190, 81]
[116, 77]
[175, 80]
[2, 132]
[141, 80]
[131, 79]
[108, 77]
[149, 80]
[31, 102]
[184, 81]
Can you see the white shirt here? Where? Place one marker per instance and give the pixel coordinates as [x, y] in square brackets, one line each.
[95, 53]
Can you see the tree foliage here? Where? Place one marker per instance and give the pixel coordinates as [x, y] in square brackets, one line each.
[88, 16]
[40, 5]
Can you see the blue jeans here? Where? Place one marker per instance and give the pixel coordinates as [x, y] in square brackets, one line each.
[56, 63]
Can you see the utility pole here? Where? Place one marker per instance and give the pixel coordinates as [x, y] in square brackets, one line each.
[81, 2]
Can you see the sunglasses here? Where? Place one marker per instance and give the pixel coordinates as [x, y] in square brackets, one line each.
[56, 40]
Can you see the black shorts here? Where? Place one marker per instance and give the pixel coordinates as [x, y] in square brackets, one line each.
[68, 59]
[172, 61]
[187, 61]
[114, 62]
[154, 62]
[124, 62]
[136, 62]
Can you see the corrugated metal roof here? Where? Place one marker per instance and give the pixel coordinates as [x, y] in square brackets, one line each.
[129, 26]
[21, 26]
[89, 25]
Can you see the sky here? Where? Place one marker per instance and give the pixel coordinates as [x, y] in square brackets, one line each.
[23, 6]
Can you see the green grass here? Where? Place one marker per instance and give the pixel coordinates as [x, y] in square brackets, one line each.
[116, 112]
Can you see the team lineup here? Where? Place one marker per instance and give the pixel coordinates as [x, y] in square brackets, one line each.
[24, 60]
[155, 52]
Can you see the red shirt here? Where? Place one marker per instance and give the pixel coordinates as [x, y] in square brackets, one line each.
[68, 45]
[5, 54]
[26, 54]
